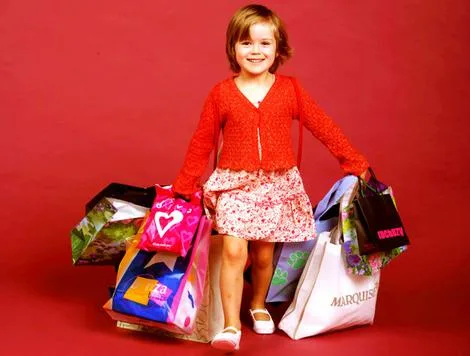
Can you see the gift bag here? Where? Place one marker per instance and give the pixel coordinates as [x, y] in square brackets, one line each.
[354, 234]
[381, 225]
[210, 315]
[290, 257]
[161, 288]
[172, 222]
[100, 238]
[328, 297]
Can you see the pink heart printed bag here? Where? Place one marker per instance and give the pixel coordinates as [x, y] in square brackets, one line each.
[172, 222]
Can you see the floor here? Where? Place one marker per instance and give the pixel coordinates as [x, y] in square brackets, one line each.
[50, 307]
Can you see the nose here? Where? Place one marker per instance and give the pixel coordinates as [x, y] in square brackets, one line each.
[255, 48]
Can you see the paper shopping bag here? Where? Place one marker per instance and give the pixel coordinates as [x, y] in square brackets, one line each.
[380, 221]
[328, 297]
[354, 235]
[161, 288]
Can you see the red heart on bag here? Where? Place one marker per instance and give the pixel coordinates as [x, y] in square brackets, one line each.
[186, 236]
[192, 220]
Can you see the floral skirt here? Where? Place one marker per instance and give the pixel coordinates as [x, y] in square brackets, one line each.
[265, 206]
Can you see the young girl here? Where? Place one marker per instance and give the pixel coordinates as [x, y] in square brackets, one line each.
[256, 194]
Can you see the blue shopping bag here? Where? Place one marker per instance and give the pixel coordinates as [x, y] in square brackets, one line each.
[163, 287]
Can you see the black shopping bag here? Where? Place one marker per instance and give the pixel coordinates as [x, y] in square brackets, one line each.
[132, 194]
[378, 223]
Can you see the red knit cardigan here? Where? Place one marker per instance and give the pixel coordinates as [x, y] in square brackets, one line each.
[226, 107]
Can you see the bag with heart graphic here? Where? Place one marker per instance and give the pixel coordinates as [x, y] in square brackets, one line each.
[172, 222]
[162, 289]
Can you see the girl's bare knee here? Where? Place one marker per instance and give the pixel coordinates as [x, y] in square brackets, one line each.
[234, 250]
[262, 255]
[262, 261]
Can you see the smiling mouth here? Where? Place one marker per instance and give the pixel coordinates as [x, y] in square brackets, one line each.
[255, 60]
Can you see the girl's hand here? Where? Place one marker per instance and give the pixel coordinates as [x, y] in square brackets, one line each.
[186, 197]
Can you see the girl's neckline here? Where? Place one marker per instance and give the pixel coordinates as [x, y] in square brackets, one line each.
[240, 93]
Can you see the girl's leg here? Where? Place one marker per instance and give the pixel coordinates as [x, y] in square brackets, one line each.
[234, 256]
[261, 254]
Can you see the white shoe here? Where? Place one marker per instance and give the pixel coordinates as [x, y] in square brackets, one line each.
[262, 326]
[226, 340]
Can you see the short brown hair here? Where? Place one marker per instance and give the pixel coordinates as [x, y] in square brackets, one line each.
[239, 29]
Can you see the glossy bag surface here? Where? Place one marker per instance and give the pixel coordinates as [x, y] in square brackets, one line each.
[100, 237]
[163, 287]
[172, 222]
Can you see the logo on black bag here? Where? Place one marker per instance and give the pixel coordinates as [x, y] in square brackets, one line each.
[355, 298]
[389, 233]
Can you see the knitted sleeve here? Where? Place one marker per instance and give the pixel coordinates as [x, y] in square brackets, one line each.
[199, 150]
[325, 130]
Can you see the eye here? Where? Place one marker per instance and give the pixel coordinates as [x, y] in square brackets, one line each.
[266, 43]
[245, 43]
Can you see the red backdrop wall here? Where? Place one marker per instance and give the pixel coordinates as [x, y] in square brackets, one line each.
[99, 91]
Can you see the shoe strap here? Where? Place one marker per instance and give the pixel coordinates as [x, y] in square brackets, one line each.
[232, 328]
[262, 311]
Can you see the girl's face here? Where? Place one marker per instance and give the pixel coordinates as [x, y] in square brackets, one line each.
[257, 54]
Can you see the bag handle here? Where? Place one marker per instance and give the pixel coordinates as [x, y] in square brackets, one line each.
[335, 233]
[164, 192]
[338, 237]
[364, 185]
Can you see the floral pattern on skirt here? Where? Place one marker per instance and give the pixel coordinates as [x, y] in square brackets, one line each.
[267, 206]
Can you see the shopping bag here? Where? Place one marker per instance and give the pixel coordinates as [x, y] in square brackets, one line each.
[172, 222]
[290, 257]
[371, 259]
[209, 319]
[290, 260]
[365, 244]
[112, 216]
[381, 225]
[162, 288]
[129, 193]
[327, 210]
[100, 237]
[327, 297]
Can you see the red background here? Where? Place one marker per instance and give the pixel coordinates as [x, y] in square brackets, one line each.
[99, 91]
